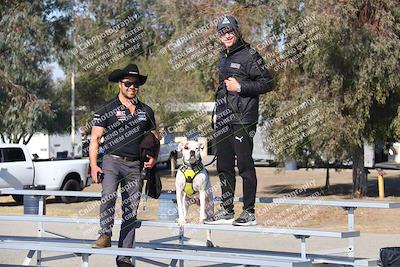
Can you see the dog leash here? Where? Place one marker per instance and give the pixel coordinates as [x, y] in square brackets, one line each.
[212, 161]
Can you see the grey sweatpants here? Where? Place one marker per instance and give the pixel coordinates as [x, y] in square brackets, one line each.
[127, 173]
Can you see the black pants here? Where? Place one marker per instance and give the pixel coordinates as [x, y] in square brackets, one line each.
[238, 140]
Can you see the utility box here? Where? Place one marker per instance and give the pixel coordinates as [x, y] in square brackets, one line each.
[369, 155]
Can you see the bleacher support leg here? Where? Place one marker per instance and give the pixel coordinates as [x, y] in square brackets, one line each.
[350, 227]
[40, 229]
[181, 242]
[303, 248]
[85, 260]
[302, 245]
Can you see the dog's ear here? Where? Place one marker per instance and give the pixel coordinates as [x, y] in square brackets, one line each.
[182, 146]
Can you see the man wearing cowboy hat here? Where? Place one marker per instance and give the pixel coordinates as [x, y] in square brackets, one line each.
[123, 121]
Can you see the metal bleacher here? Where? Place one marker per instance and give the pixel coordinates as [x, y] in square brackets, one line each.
[155, 250]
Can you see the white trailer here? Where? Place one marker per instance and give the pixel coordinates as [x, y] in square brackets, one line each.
[51, 146]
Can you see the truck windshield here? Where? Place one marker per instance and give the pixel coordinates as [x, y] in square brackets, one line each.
[11, 154]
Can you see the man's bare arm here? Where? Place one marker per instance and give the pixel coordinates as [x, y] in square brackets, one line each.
[97, 133]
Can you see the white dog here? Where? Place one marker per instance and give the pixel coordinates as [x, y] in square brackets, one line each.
[192, 180]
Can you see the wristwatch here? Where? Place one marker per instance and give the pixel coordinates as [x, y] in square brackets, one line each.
[239, 89]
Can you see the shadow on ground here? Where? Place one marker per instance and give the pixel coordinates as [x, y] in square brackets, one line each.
[50, 200]
[392, 189]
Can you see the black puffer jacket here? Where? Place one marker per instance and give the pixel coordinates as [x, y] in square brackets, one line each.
[247, 66]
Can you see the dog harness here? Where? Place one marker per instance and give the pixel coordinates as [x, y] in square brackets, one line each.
[190, 172]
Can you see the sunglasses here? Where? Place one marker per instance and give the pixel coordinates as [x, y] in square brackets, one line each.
[128, 84]
[222, 32]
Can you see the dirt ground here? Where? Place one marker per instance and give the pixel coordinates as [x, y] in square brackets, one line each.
[272, 182]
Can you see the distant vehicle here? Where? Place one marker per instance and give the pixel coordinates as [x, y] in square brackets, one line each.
[260, 153]
[169, 154]
[17, 169]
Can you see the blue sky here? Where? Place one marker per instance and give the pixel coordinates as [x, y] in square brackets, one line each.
[56, 70]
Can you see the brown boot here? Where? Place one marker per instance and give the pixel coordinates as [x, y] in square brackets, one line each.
[104, 241]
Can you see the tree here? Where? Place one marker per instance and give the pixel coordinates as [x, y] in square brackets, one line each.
[30, 33]
[92, 18]
[352, 78]
[24, 113]
[100, 32]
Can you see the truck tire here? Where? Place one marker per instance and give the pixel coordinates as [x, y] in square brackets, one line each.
[70, 185]
[19, 199]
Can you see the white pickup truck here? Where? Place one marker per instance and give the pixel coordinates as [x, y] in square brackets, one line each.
[17, 169]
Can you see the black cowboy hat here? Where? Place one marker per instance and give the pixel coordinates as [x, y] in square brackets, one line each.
[130, 70]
